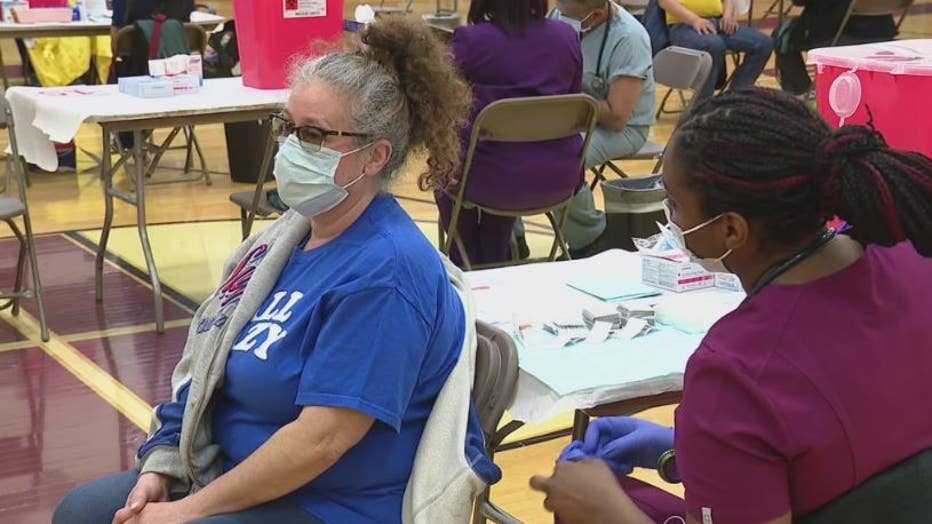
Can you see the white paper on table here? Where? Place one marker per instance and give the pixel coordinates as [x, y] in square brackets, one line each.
[696, 312]
[633, 328]
[599, 332]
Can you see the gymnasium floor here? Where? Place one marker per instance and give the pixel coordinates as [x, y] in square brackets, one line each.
[75, 408]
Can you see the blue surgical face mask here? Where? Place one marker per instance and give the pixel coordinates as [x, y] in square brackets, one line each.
[306, 177]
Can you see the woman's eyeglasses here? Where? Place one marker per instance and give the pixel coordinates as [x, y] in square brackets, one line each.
[310, 136]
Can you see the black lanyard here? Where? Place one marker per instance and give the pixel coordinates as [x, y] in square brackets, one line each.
[792, 262]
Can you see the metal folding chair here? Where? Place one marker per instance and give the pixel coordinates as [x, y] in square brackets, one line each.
[679, 69]
[197, 41]
[873, 8]
[635, 7]
[529, 119]
[494, 388]
[255, 203]
[383, 9]
[12, 207]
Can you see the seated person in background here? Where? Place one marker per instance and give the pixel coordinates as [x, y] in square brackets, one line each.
[712, 26]
[308, 377]
[799, 394]
[511, 50]
[125, 12]
[618, 72]
[816, 27]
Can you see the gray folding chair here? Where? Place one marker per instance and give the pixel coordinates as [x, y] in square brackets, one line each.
[496, 381]
[383, 9]
[529, 119]
[873, 8]
[679, 69]
[12, 207]
[635, 7]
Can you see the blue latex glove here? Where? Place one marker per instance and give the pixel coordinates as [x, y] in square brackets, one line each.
[627, 441]
[575, 453]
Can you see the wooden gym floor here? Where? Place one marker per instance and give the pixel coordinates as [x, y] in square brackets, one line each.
[75, 408]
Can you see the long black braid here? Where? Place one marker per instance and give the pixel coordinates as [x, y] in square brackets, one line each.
[766, 155]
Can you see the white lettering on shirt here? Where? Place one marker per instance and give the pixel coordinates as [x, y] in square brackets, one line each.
[266, 329]
[282, 314]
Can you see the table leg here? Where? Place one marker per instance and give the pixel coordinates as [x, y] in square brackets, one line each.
[107, 175]
[143, 233]
[580, 424]
[6, 81]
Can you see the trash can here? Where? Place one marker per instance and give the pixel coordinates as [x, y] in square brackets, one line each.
[271, 32]
[633, 206]
[245, 147]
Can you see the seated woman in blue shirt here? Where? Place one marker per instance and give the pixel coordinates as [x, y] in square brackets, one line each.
[309, 375]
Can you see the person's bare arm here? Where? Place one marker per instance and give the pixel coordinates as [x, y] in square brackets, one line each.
[296, 454]
[729, 23]
[623, 95]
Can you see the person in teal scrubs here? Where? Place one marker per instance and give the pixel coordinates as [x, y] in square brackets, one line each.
[618, 72]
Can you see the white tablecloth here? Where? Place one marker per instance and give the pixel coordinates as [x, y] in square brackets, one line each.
[46, 115]
[538, 293]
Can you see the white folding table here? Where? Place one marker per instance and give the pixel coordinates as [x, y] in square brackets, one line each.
[625, 383]
[41, 116]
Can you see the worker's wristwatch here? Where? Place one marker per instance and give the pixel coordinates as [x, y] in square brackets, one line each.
[666, 467]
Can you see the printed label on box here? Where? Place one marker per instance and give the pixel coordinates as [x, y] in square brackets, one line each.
[305, 8]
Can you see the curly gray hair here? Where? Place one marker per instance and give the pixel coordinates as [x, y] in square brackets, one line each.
[379, 107]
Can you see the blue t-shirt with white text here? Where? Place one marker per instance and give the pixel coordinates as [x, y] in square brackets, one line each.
[367, 322]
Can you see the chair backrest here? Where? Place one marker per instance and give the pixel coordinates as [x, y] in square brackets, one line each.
[532, 119]
[635, 7]
[682, 68]
[899, 495]
[496, 378]
[536, 118]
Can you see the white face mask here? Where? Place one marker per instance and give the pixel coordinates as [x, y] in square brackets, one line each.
[306, 177]
[676, 235]
[575, 24]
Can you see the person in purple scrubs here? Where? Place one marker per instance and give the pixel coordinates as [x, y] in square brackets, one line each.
[511, 50]
[809, 387]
